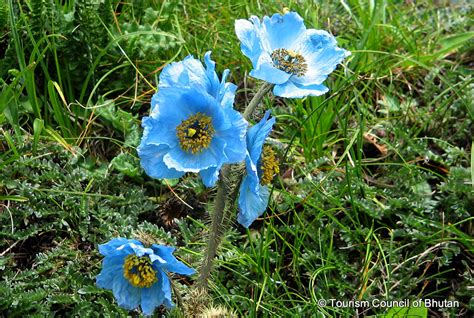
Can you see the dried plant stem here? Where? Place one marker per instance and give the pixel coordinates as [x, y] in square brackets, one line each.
[223, 189]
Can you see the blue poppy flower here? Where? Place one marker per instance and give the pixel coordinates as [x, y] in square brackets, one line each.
[192, 126]
[137, 275]
[261, 165]
[283, 52]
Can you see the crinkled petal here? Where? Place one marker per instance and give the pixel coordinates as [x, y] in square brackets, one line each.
[283, 31]
[140, 250]
[159, 131]
[111, 266]
[127, 296]
[257, 134]
[292, 90]
[152, 297]
[209, 176]
[320, 51]
[151, 159]
[185, 73]
[213, 88]
[248, 33]
[253, 200]
[235, 148]
[269, 73]
[182, 160]
[168, 262]
[166, 289]
[110, 248]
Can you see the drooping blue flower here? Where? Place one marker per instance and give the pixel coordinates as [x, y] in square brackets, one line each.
[192, 126]
[283, 52]
[137, 275]
[260, 165]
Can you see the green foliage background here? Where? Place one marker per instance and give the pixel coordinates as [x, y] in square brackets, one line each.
[375, 197]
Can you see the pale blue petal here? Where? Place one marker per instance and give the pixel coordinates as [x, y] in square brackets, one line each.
[151, 159]
[248, 33]
[292, 90]
[182, 160]
[168, 262]
[110, 248]
[235, 148]
[321, 55]
[269, 73]
[209, 176]
[127, 296]
[283, 31]
[159, 131]
[253, 200]
[140, 250]
[166, 289]
[213, 88]
[185, 73]
[152, 297]
[111, 266]
[257, 134]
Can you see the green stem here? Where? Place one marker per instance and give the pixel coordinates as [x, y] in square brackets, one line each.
[216, 232]
[257, 99]
[223, 189]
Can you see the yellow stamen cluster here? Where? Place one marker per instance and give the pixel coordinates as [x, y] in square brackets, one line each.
[138, 271]
[195, 133]
[268, 165]
[289, 61]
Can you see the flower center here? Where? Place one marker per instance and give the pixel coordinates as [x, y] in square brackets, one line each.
[268, 165]
[289, 61]
[195, 133]
[138, 271]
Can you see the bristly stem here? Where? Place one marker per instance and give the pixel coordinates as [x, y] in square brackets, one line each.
[223, 189]
[216, 228]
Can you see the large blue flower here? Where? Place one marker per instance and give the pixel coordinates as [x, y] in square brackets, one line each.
[192, 126]
[283, 52]
[261, 165]
[137, 275]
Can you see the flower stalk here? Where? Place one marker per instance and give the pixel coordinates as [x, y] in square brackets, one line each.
[223, 189]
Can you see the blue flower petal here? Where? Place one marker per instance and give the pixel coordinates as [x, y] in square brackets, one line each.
[253, 201]
[159, 131]
[151, 159]
[320, 51]
[283, 31]
[110, 267]
[269, 73]
[168, 262]
[110, 248]
[127, 296]
[186, 73]
[152, 297]
[181, 160]
[292, 90]
[249, 34]
[257, 134]
[166, 288]
[209, 176]
[235, 148]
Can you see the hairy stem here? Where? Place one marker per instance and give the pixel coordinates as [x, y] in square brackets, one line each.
[223, 189]
[215, 234]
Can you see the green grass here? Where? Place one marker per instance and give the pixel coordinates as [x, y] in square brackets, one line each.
[375, 195]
